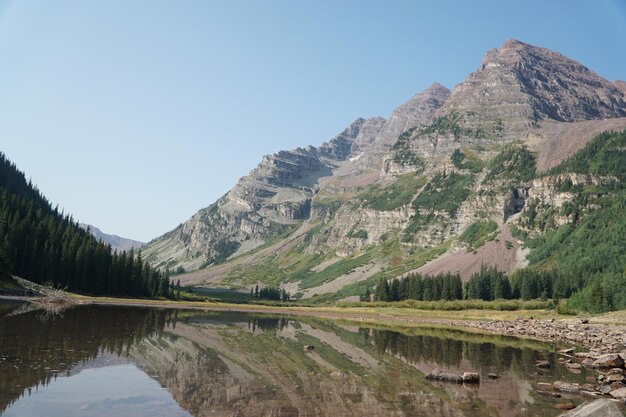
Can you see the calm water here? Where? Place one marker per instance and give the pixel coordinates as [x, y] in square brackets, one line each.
[104, 361]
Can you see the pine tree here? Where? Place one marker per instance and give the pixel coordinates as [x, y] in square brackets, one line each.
[382, 291]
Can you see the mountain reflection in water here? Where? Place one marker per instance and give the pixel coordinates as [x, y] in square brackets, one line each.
[235, 364]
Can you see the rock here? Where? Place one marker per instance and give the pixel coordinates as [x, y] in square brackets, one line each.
[573, 365]
[542, 364]
[611, 378]
[620, 394]
[550, 394]
[604, 389]
[598, 408]
[544, 386]
[568, 352]
[584, 321]
[308, 348]
[616, 371]
[566, 387]
[590, 394]
[610, 360]
[616, 385]
[443, 375]
[471, 377]
[588, 362]
[587, 387]
[493, 375]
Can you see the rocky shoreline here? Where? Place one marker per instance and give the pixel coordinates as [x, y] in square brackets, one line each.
[605, 353]
[597, 338]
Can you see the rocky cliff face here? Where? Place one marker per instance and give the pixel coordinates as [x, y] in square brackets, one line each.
[383, 197]
[275, 196]
[416, 112]
[621, 86]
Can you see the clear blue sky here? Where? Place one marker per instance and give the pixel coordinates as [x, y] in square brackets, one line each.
[132, 115]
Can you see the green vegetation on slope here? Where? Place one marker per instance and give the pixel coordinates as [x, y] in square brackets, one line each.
[590, 251]
[514, 165]
[444, 193]
[403, 154]
[449, 124]
[477, 233]
[466, 160]
[394, 195]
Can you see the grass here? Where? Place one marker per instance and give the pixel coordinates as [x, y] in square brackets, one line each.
[313, 279]
[457, 305]
[370, 312]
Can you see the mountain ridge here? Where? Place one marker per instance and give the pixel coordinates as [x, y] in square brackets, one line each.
[361, 206]
[117, 242]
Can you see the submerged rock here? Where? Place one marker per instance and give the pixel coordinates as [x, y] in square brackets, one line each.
[542, 364]
[443, 375]
[471, 377]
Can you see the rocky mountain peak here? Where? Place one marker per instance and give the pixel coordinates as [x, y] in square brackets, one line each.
[436, 90]
[417, 111]
[517, 85]
[356, 134]
[559, 87]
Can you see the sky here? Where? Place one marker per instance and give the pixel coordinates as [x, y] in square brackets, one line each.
[133, 115]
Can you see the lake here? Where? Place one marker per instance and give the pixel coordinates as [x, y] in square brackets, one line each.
[130, 361]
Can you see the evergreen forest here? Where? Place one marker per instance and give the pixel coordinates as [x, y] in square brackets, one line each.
[43, 245]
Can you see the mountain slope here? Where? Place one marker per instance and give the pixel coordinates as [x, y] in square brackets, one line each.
[117, 243]
[456, 180]
[276, 196]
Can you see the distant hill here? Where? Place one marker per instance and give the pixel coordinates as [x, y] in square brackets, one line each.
[117, 243]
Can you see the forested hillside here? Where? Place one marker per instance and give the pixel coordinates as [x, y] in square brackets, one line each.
[577, 249]
[40, 244]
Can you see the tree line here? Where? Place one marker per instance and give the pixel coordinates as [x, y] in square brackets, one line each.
[417, 287]
[487, 284]
[43, 245]
[269, 293]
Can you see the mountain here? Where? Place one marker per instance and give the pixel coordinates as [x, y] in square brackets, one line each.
[117, 243]
[450, 182]
[276, 196]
